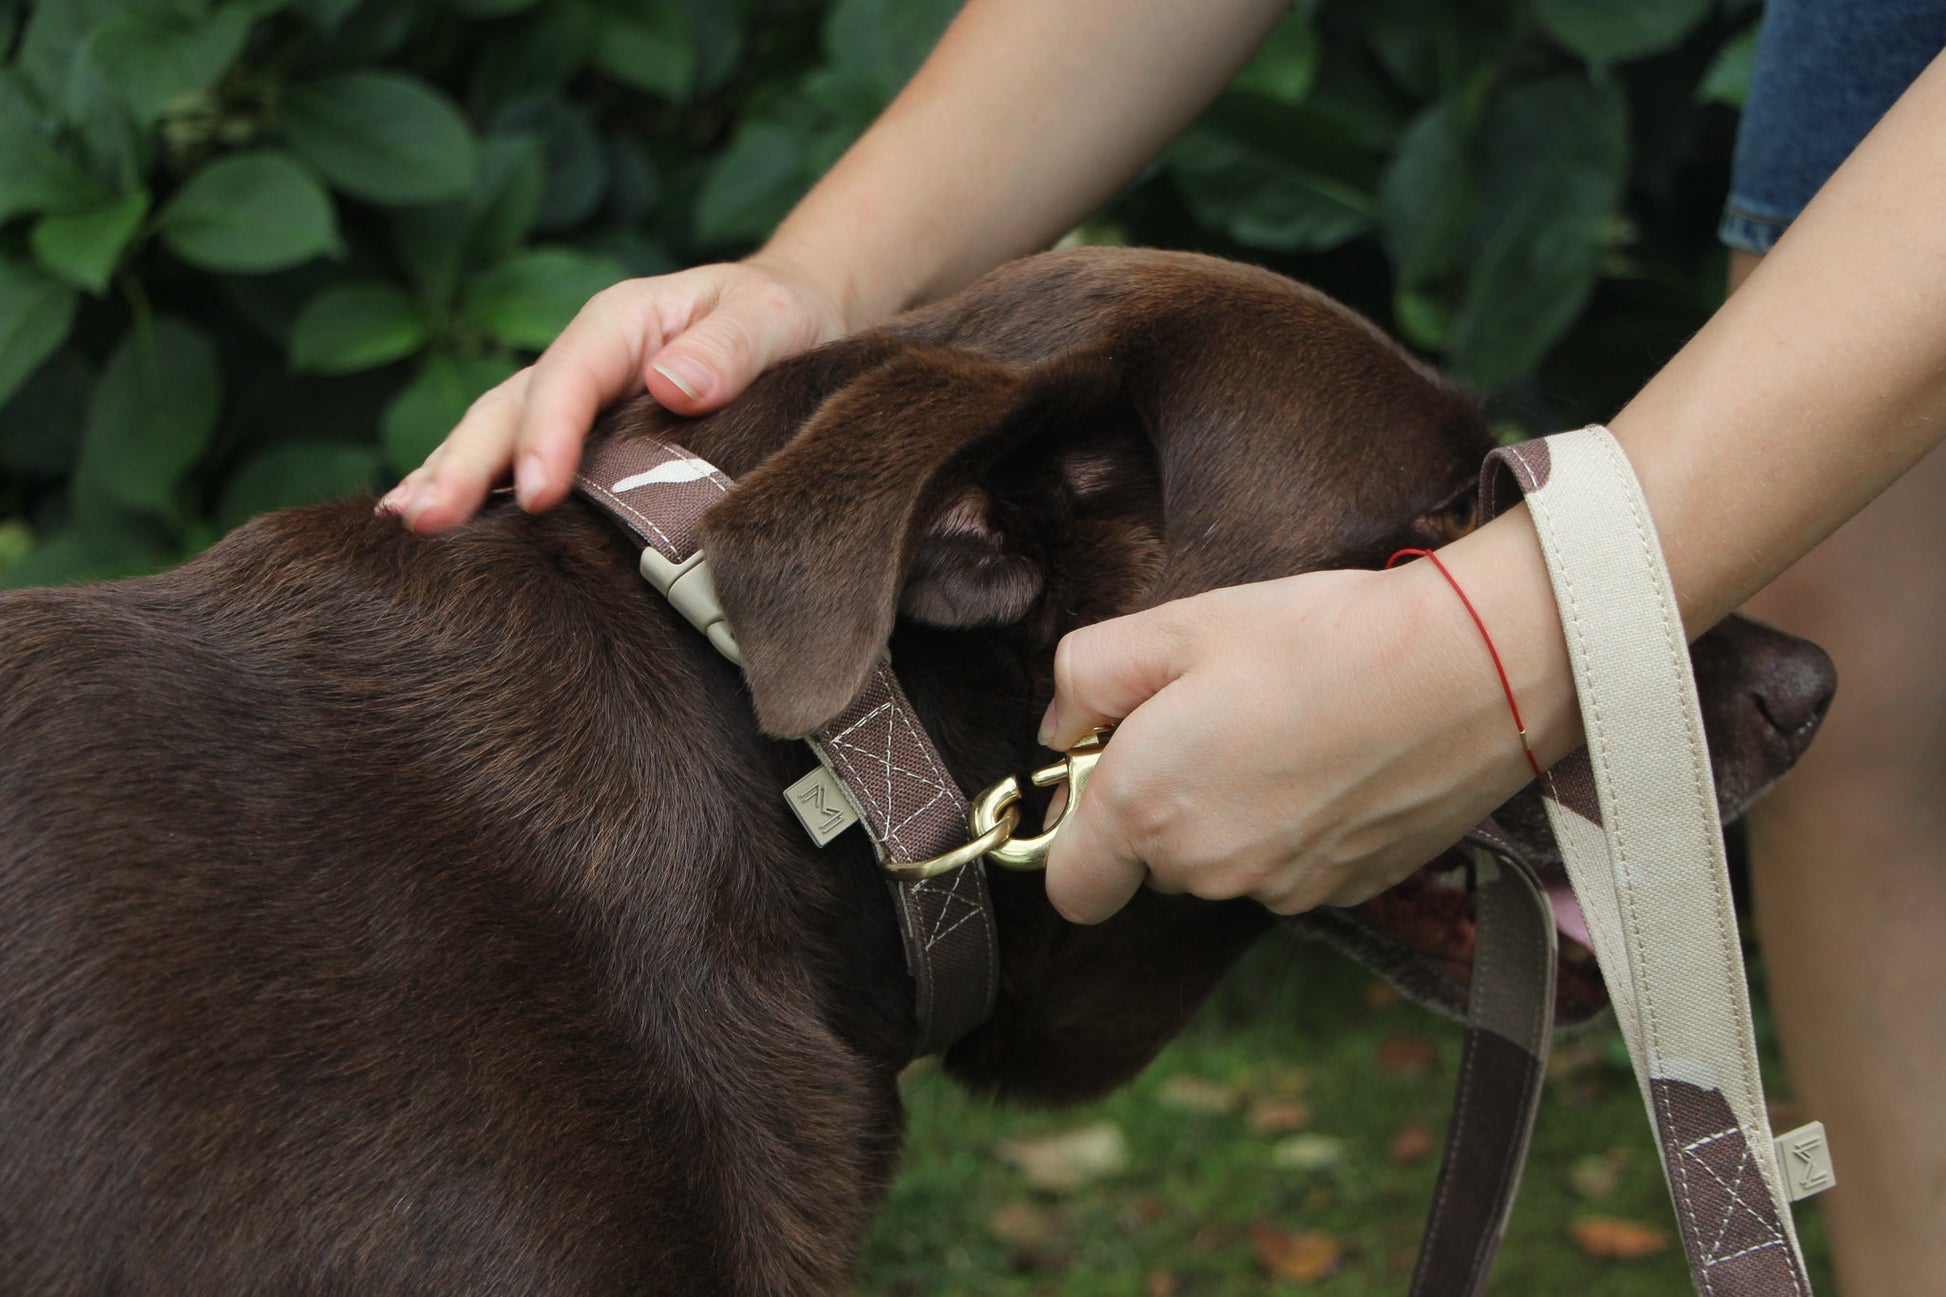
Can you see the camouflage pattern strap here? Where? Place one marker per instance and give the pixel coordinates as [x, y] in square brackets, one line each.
[1635, 816]
[1503, 1062]
[885, 763]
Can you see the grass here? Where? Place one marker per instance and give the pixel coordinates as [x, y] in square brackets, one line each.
[1301, 1026]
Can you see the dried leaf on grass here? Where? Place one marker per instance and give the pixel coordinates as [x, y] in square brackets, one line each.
[1279, 1082]
[1308, 1152]
[1021, 1224]
[1408, 1054]
[1069, 1159]
[1278, 1116]
[1411, 1143]
[1618, 1240]
[1198, 1095]
[1598, 1176]
[1304, 1258]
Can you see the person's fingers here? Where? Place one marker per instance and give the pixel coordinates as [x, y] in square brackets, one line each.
[594, 363]
[1105, 671]
[755, 324]
[1093, 866]
[455, 479]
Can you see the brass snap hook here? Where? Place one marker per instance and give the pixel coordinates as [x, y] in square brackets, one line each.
[995, 814]
[999, 804]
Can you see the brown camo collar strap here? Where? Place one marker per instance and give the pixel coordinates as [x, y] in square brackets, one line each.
[876, 748]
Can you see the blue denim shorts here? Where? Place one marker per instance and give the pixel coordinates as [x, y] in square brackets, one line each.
[1825, 72]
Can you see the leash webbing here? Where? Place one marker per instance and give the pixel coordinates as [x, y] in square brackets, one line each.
[1635, 817]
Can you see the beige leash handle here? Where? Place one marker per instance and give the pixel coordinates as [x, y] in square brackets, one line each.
[1635, 816]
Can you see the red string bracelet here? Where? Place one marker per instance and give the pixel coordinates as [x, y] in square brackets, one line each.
[1506, 686]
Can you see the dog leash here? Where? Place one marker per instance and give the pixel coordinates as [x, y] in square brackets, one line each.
[1635, 817]
[877, 766]
[1685, 1019]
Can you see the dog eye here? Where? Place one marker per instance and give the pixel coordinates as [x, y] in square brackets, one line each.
[1451, 520]
[1461, 516]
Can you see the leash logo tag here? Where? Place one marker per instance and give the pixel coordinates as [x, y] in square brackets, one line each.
[821, 806]
[1806, 1161]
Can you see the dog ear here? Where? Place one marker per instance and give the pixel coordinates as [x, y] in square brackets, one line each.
[880, 503]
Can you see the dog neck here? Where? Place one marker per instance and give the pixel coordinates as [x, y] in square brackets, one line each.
[880, 767]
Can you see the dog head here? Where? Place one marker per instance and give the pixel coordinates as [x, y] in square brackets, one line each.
[1075, 437]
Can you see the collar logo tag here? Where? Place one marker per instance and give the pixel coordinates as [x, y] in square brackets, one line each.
[821, 805]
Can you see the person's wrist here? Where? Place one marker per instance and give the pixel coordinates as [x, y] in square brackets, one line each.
[1502, 571]
[853, 300]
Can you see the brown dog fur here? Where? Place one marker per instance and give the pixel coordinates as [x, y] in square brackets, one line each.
[399, 914]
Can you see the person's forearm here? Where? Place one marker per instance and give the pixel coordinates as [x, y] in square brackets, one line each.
[1817, 384]
[1027, 116]
[1810, 391]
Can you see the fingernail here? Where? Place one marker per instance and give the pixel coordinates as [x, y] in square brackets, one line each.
[1048, 721]
[686, 374]
[417, 503]
[530, 477]
[392, 501]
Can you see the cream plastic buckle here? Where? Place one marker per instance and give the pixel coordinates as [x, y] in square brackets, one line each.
[690, 591]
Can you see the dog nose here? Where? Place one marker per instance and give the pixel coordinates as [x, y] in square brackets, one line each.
[1795, 690]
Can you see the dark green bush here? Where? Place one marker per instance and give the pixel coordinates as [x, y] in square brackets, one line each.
[258, 252]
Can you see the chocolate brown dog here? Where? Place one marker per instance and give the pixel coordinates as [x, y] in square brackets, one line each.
[394, 914]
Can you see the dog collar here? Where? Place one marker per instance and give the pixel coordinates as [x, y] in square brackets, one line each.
[877, 765]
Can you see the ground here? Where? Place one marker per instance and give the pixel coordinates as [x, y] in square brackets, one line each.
[1286, 1143]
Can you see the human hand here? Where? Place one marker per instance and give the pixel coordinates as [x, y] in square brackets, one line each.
[695, 339]
[1305, 741]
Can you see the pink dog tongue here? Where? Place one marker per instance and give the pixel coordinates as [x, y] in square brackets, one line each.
[1567, 912]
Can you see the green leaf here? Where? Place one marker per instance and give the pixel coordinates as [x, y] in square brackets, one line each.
[436, 241]
[40, 428]
[648, 44]
[1728, 78]
[1285, 66]
[248, 213]
[528, 298]
[36, 312]
[752, 183]
[382, 136]
[1426, 198]
[85, 247]
[636, 185]
[36, 175]
[356, 326]
[297, 473]
[1556, 161]
[15, 541]
[50, 46]
[1264, 198]
[152, 55]
[577, 167]
[1614, 31]
[886, 40]
[488, 8]
[150, 421]
[325, 14]
[717, 29]
[426, 409]
[83, 553]
[533, 57]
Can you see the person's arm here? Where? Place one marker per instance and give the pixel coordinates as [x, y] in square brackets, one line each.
[1026, 117]
[1236, 773]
